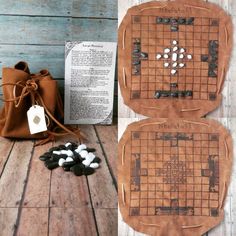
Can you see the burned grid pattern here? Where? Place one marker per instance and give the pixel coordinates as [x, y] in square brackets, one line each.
[149, 74]
[174, 174]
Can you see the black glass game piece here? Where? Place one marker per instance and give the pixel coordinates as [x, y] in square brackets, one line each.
[182, 21]
[213, 44]
[213, 51]
[189, 21]
[136, 62]
[173, 21]
[174, 28]
[144, 55]
[204, 58]
[174, 94]
[165, 93]
[181, 94]
[212, 73]
[189, 93]
[136, 51]
[159, 20]
[214, 58]
[173, 85]
[212, 66]
[166, 20]
[212, 96]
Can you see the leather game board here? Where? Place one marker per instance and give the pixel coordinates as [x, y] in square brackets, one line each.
[173, 57]
[173, 175]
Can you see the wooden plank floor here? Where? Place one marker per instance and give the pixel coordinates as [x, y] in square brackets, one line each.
[36, 201]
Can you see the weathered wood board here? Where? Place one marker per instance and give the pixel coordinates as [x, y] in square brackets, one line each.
[36, 31]
[37, 201]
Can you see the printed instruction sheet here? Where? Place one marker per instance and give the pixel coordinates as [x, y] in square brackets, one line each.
[89, 82]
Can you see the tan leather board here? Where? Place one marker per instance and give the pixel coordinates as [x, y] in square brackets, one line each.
[173, 175]
[173, 57]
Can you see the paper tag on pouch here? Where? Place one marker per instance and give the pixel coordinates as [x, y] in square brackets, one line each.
[36, 119]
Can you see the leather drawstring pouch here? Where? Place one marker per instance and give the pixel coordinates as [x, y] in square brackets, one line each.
[174, 168]
[22, 90]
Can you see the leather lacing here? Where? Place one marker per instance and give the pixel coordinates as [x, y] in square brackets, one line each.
[123, 194]
[123, 155]
[124, 78]
[124, 34]
[30, 87]
[148, 224]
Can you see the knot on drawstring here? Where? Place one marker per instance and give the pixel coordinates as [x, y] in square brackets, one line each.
[29, 87]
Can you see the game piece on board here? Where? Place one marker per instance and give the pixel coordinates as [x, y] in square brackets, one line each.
[166, 50]
[166, 64]
[174, 56]
[175, 49]
[174, 42]
[189, 57]
[175, 64]
[158, 56]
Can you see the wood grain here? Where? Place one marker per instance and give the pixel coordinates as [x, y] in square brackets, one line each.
[14, 176]
[107, 222]
[5, 149]
[102, 188]
[38, 185]
[95, 8]
[37, 56]
[68, 190]
[54, 30]
[71, 222]
[75, 8]
[36, 7]
[8, 218]
[108, 137]
[33, 221]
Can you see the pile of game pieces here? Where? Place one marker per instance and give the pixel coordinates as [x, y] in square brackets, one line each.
[78, 159]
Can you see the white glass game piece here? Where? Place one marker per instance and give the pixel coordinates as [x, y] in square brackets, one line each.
[166, 64]
[174, 56]
[158, 56]
[173, 72]
[174, 42]
[181, 56]
[166, 56]
[175, 49]
[181, 65]
[189, 56]
[166, 50]
[175, 64]
[182, 50]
